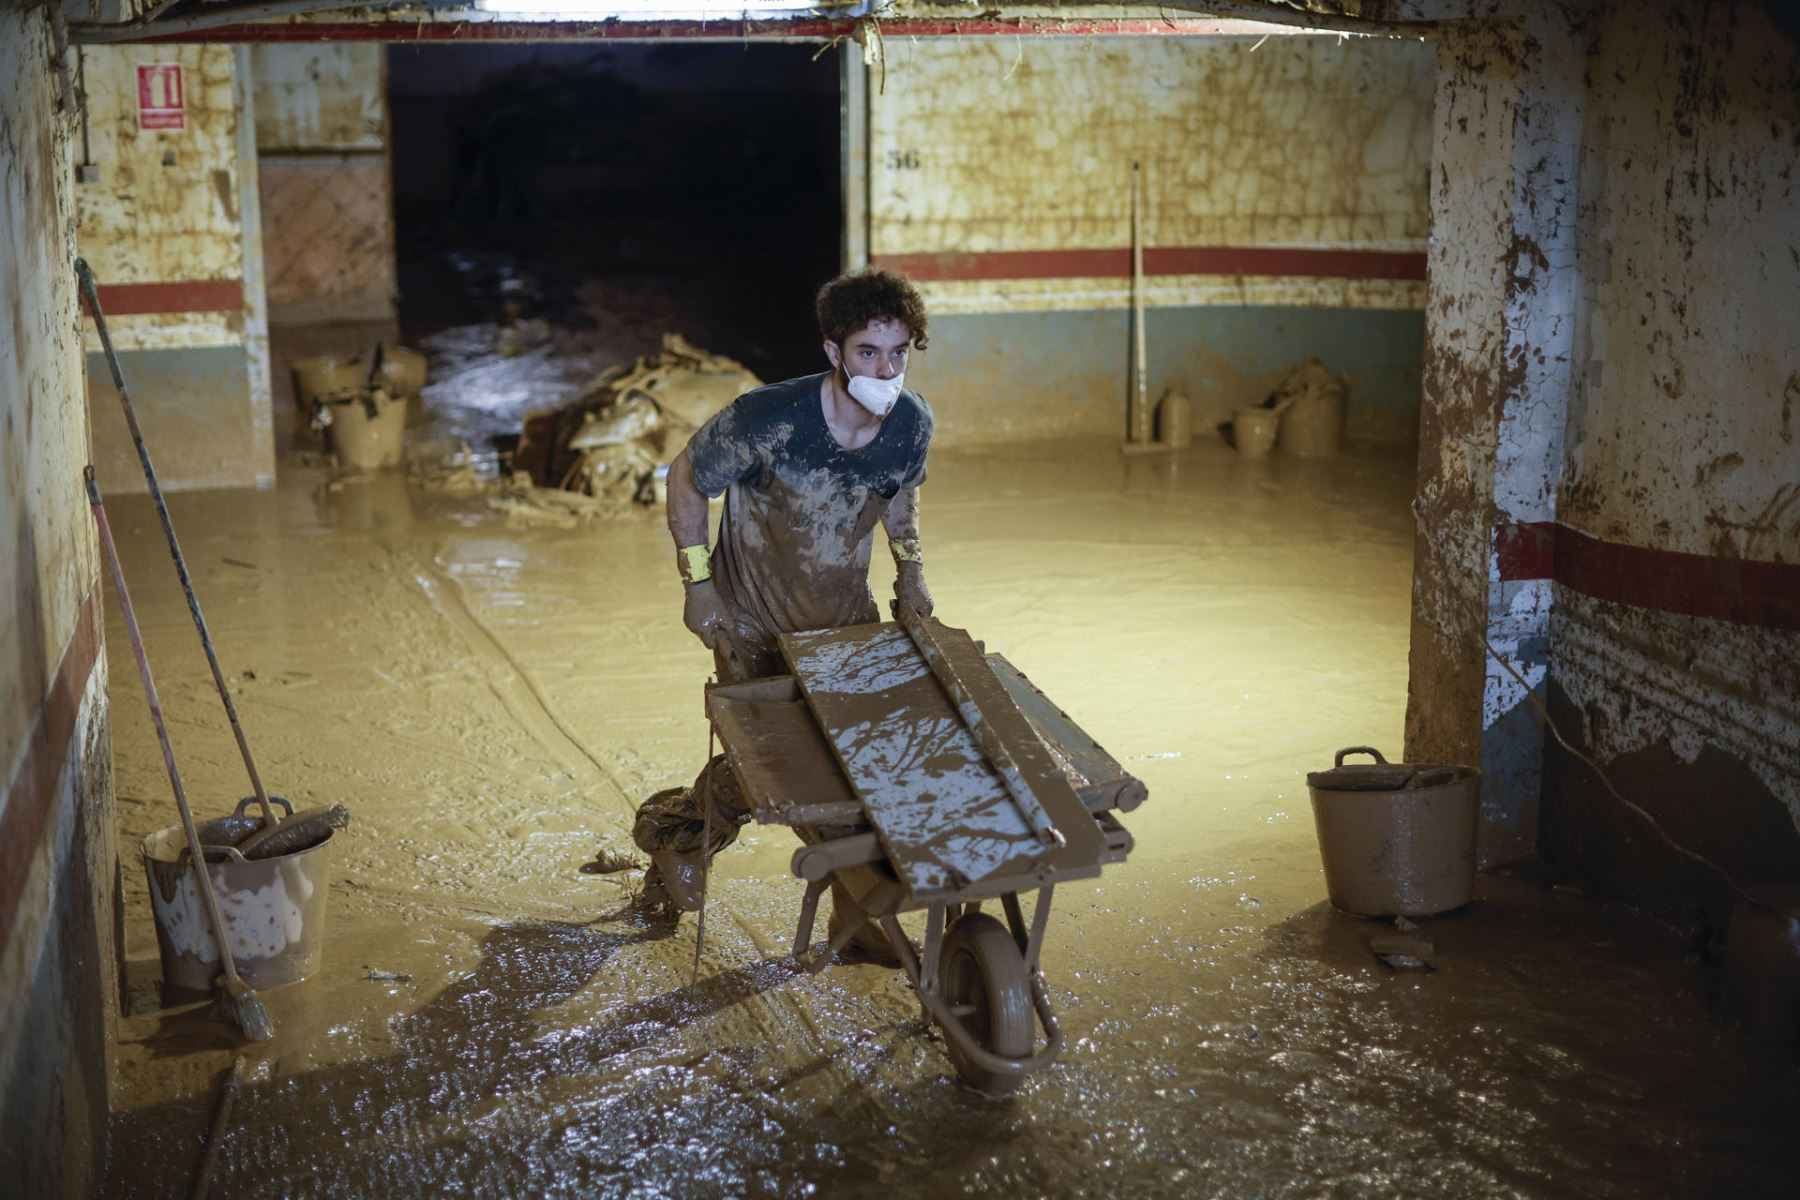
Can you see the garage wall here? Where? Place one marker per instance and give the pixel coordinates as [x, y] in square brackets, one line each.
[57, 855]
[1285, 215]
[1609, 486]
[1676, 558]
[327, 209]
[171, 228]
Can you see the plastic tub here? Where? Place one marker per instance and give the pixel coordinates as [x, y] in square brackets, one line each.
[1313, 427]
[274, 911]
[1253, 431]
[367, 433]
[1397, 839]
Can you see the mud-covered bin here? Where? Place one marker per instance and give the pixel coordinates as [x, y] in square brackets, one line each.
[274, 909]
[1397, 839]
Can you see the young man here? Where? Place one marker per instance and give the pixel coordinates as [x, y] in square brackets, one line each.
[807, 467]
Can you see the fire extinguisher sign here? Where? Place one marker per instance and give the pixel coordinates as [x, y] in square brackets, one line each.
[159, 96]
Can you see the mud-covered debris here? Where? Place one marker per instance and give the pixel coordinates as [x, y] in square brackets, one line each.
[380, 976]
[611, 862]
[524, 503]
[1405, 951]
[302, 831]
[629, 421]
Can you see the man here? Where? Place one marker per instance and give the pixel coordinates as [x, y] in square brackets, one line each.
[807, 467]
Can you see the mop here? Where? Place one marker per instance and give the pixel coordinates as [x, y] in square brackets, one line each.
[236, 997]
[86, 278]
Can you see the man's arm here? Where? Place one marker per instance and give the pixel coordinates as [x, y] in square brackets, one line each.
[901, 520]
[703, 612]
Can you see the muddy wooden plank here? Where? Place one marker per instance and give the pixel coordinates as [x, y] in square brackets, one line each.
[945, 818]
[788, 773]
[1098, 778]
[1012, 746]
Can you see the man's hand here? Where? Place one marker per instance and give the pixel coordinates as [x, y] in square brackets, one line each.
[910, 590]
[703, 612]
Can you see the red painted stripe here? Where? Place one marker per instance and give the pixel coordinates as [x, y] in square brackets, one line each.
[34, 788]
[1743, 591]
[179, 296]
[1160, 260]
[1526, 550]
[720, 31]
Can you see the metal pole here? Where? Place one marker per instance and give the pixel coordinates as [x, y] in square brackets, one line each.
[86, 276]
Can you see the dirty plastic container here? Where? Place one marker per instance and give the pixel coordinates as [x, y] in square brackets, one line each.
[1253, 431]
[1762, 963]
[326, 377]
[274, 911]
[1397, 839]
[402, 370]
[1313, 427]
[1174, 420]
[365, 442]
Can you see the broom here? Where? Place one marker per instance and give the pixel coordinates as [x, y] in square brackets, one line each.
[236, 997]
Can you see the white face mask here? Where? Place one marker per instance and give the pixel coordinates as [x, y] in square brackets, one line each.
[876, 395]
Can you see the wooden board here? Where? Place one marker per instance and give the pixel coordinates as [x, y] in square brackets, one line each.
[946, 820]
[1097, 776]
[788, 773]
[1012, 745]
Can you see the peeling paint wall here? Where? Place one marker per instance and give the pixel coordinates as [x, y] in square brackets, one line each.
[57, 854]
[328, 208]
[1284, 184]
[328, 222]
[1609, 498]
[170, 229]
[1474, 189]
[1680, 671]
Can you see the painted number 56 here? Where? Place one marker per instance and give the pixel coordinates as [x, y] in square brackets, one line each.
[902, 160]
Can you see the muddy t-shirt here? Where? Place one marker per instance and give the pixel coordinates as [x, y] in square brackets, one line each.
[800, 510]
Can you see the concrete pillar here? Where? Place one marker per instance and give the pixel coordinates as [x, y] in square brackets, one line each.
[1499, 324]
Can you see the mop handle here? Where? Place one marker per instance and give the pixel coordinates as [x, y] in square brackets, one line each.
[156, 718]
[86, 276]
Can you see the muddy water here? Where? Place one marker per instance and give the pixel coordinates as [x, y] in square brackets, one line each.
[491, 1021]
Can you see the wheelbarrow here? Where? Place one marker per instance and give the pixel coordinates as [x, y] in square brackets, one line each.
[925, 774]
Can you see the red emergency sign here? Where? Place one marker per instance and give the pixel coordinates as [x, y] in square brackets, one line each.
[159, 96]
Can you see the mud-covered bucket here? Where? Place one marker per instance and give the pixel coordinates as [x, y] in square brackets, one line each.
[274, 908]
[1762, 963]
[1397, 839]
[368, 432]
[1253, 431]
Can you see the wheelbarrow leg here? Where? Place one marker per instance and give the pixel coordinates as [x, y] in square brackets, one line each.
[1031, 942]
[934, 946]
[809, 915]
[809, 912]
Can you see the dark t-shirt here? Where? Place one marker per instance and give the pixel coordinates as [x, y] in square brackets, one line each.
[800, 510]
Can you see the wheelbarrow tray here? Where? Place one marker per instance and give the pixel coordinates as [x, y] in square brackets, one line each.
[792, 774]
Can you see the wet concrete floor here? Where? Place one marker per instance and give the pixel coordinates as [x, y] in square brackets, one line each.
[491, 1021]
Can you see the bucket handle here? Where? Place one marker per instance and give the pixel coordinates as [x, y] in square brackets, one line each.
[1431, 777]
[1369, 750]
[247, 801]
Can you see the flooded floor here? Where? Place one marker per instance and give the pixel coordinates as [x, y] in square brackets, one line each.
[490, 1020]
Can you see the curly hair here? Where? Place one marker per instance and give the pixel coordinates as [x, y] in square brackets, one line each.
[855, 298]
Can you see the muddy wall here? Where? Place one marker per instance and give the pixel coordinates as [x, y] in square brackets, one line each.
[170, 224]
[57, 857]
[1608, 487]
[1675, 631]
[327, 208]
[1284, 215]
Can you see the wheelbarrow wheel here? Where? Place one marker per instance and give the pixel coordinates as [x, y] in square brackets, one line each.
[982, 978]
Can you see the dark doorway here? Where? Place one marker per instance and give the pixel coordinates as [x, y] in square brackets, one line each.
[596, 197]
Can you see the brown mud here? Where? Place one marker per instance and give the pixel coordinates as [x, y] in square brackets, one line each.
[490, 1019]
